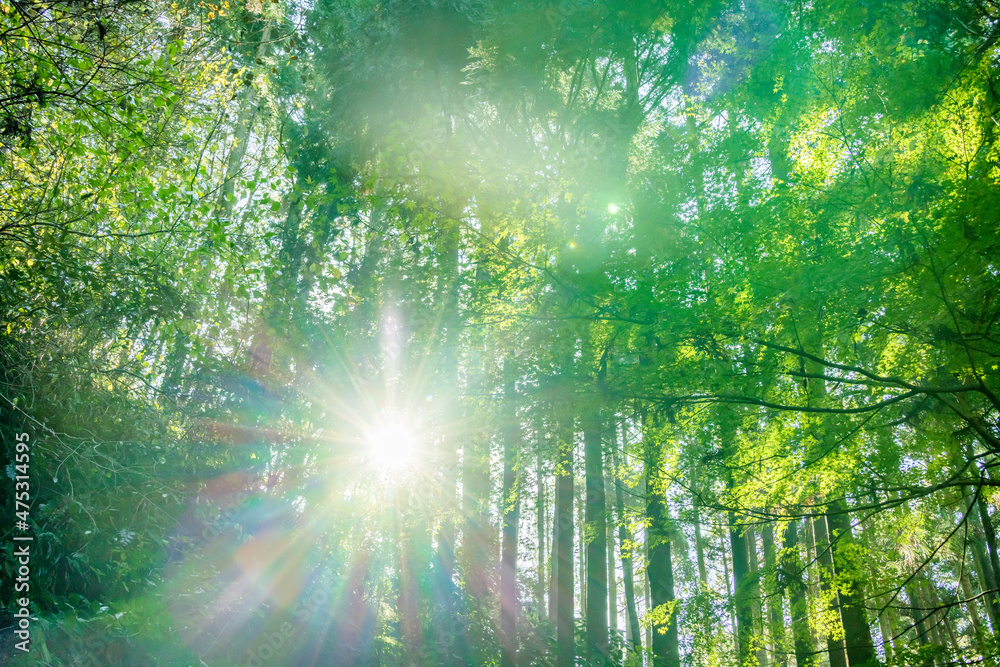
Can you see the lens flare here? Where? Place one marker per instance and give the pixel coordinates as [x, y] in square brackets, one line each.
[391, 446]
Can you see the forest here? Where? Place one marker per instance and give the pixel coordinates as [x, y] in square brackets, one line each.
[500, 332]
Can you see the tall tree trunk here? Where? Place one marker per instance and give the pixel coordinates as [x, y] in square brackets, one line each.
[699, 542]
[827, 574]
[857, 632]
[628, 559]
[563, 541]
[742, 590]
[886, 628]
[993, 595]
[610, 537]
[447, 298]
[730, 597]
[948, 629]
[755, 600]
[596, 545]
[554, 555]
[244, 125]
[510, 512]
[580, 544]
[659, 568]
[971, 604]
[478, 538]
[793, 570]
[612, 576]
[775, 612]
[540, 511]
[647, 627]
[917, 613]
[985, 571]
[743, 585]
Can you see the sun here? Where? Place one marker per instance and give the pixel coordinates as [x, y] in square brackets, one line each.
[391, 446]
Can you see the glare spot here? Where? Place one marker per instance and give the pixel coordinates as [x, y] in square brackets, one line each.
[391, 446]
[612, 208]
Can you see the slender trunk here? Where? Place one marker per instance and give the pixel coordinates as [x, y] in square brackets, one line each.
[985, 571]
[628, 560]
[730, 598]
[886, 628]
[857, 632]
[699, 542]
[919, 622]
[946, 622]
[540, 491]
[742, 590]
[981, 562]
[612, 577]
[597, 544]
[510, 512]
[447, 300]
[580, 545]
[477, 543]
[244, 125]
[743, 586]
[991, 538]
[827, 573]
[926, 592]
[554, 558]
[408, 599]
[994, 562]
[793, 570]
[775, 613]
[647, 627]
[971, 604]
[610, 538]
[755, 600]
[811, 560]
[563, 541]
[659, 569]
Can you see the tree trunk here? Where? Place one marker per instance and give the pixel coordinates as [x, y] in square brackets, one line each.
[919, 622]
[885, 627]
[563, 542]
[827, 573]
[540, 492]
[477, 541]
[792, 568]
[610, 538]
[596, 545]
[985, 571]
[244, 125]
[730, 597]
[659, 568]
[742, 590]
[755, 599]
[946, 622]
[775, 613]
[580, 545]
[628, 574]
[994, 563]
[612, 576]
[971, 604]
[857, 632]
[510, 511]
[699, 542]
[447, 298]
[554, 556]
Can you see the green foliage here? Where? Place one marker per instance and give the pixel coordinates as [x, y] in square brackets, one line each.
[760, 239]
